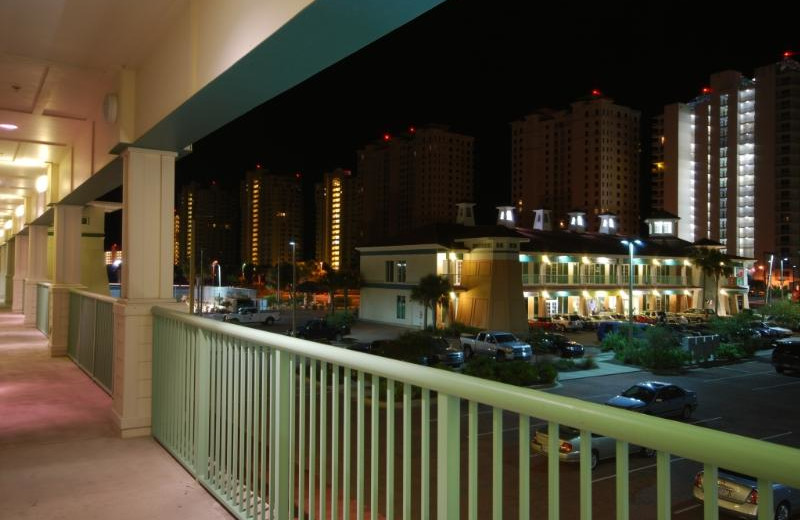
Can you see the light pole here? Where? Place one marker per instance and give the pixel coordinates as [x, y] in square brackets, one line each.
[782, 261]
[294, 275]
[631, 244]
[769, 277]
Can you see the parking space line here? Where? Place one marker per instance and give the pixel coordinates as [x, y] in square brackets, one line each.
[784, 434]
[736, 377]
[776, 386]
[685, 509]
[706, 420]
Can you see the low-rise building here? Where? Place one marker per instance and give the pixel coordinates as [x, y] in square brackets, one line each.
[503, 275]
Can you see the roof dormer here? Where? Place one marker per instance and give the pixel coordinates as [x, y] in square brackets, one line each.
[609, 223]
[577, 220]
[466, 213]
[505, 216]
[543, 219]
[662, 224]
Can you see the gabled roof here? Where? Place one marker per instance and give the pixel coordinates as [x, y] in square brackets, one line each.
[448, 235]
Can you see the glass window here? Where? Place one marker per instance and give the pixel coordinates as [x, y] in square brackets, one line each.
[401, 270]
[401, 307]
[389, 270]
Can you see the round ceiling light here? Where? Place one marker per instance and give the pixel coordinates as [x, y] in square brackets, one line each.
[8, 126]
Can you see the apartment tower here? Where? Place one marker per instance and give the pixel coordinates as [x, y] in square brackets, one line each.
[339, 200]
[414, 179]
[730, 162]
[272, 217]
[586, 157]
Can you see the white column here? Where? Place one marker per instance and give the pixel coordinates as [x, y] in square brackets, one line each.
[148, 186]
[3, 272]
[20, 272]
[66, 273]
[37, 270]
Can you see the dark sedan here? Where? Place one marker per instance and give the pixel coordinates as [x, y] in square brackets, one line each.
[786, 356]
[423, 350]
[560, 345]
[321, 329]
[657, 398]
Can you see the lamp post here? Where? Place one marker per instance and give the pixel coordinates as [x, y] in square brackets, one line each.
[631, 244]
[294, 276]
[769, 278]
[782, 261]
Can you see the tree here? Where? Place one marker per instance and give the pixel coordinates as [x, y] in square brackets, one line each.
[432, 289]
[350, 279]
[712, 262]
[332, 280]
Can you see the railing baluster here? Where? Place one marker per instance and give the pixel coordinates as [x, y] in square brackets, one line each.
[425, 454]
[553, 496]
[265, 411]
[249, 434]
[586, 475]
[201, 389]
[664, 485]
[346, 418]
[312, 439]
[623, 455]
[524, 467]
[497, 463]
[241, 425]
[448, 453]
[272, 428]
[292, 428]
[390, 437]
[301, 443]
[406, 451]
[472, 464]
[360, 447]
[335, 422]
[281, 395]
[323, 439]
[374, 454]
[217, 409]
[710, 503]
[766, 502]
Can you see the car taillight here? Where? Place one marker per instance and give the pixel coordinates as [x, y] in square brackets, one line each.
[565, 447]
[752, 498]
[698, 480]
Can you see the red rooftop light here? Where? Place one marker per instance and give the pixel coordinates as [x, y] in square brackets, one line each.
[706, 90]
[386, 137]
[258, 166]
[298, 175]
[411, 130]
[788, 54]
[596, 92]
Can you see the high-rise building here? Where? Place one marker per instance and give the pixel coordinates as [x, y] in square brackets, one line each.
[206, 220]
[414, 179]
[339, 199]
[272, 217]
[730, 163]
[586, 157]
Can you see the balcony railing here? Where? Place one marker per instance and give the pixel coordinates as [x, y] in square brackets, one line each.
[43, 308]
[90, 343]
[279, 427]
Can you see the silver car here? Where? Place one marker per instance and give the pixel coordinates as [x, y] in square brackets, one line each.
[738, 495]
[569, 446]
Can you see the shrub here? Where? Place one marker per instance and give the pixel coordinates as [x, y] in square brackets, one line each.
[337, 319]
[664, 358]
[729, 351]
[455, 329]
[750, 345]
[586, 363]
[520, 373]
[624, 350]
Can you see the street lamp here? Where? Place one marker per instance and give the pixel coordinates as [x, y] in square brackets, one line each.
[294, 276]
[769, 278]
[631, 244]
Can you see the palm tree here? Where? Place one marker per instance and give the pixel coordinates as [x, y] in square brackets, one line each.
[350, 279]
[712, 262]
[432, 289]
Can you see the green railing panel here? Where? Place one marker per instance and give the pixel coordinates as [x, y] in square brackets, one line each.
[278, 427]
[43, 308]
[90, 340]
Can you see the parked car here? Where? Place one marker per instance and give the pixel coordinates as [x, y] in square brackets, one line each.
[769, 330]
[545, 323]
[320, 329]
[499, 344]
[424, 350]
[569, 446]
[559, 344]
[695, 314]
[253, 315]
[786, 355]
[569, 321]
[657, 398]
[738, 494]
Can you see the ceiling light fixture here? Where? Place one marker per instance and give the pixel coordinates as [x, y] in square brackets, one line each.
[42, 183]
[20, 210]
[8, 224]
[8, 126]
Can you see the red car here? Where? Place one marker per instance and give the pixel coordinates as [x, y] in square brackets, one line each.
[545, 323]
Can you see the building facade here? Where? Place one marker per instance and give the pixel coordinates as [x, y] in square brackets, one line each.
[414, 179]
[503, 274]
[583, 157]
[340, 201]
[206, 219]
[272, 217]
[729, 162]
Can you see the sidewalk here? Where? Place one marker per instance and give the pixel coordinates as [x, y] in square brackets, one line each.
[604, 368]
[60, 454]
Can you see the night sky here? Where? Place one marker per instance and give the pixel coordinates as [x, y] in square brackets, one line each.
[477, 66]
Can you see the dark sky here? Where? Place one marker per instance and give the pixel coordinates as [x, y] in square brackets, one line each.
[478, 65]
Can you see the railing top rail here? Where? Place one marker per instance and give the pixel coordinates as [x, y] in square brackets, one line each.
[45, 284]
[763, 459]
[95, 296]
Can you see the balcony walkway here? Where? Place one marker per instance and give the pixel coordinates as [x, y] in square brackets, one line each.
[60, 456]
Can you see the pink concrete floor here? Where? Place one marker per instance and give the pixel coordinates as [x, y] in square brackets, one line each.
[60, 456]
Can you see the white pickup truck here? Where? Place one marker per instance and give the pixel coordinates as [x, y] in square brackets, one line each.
[500, 345]
[253, 315]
